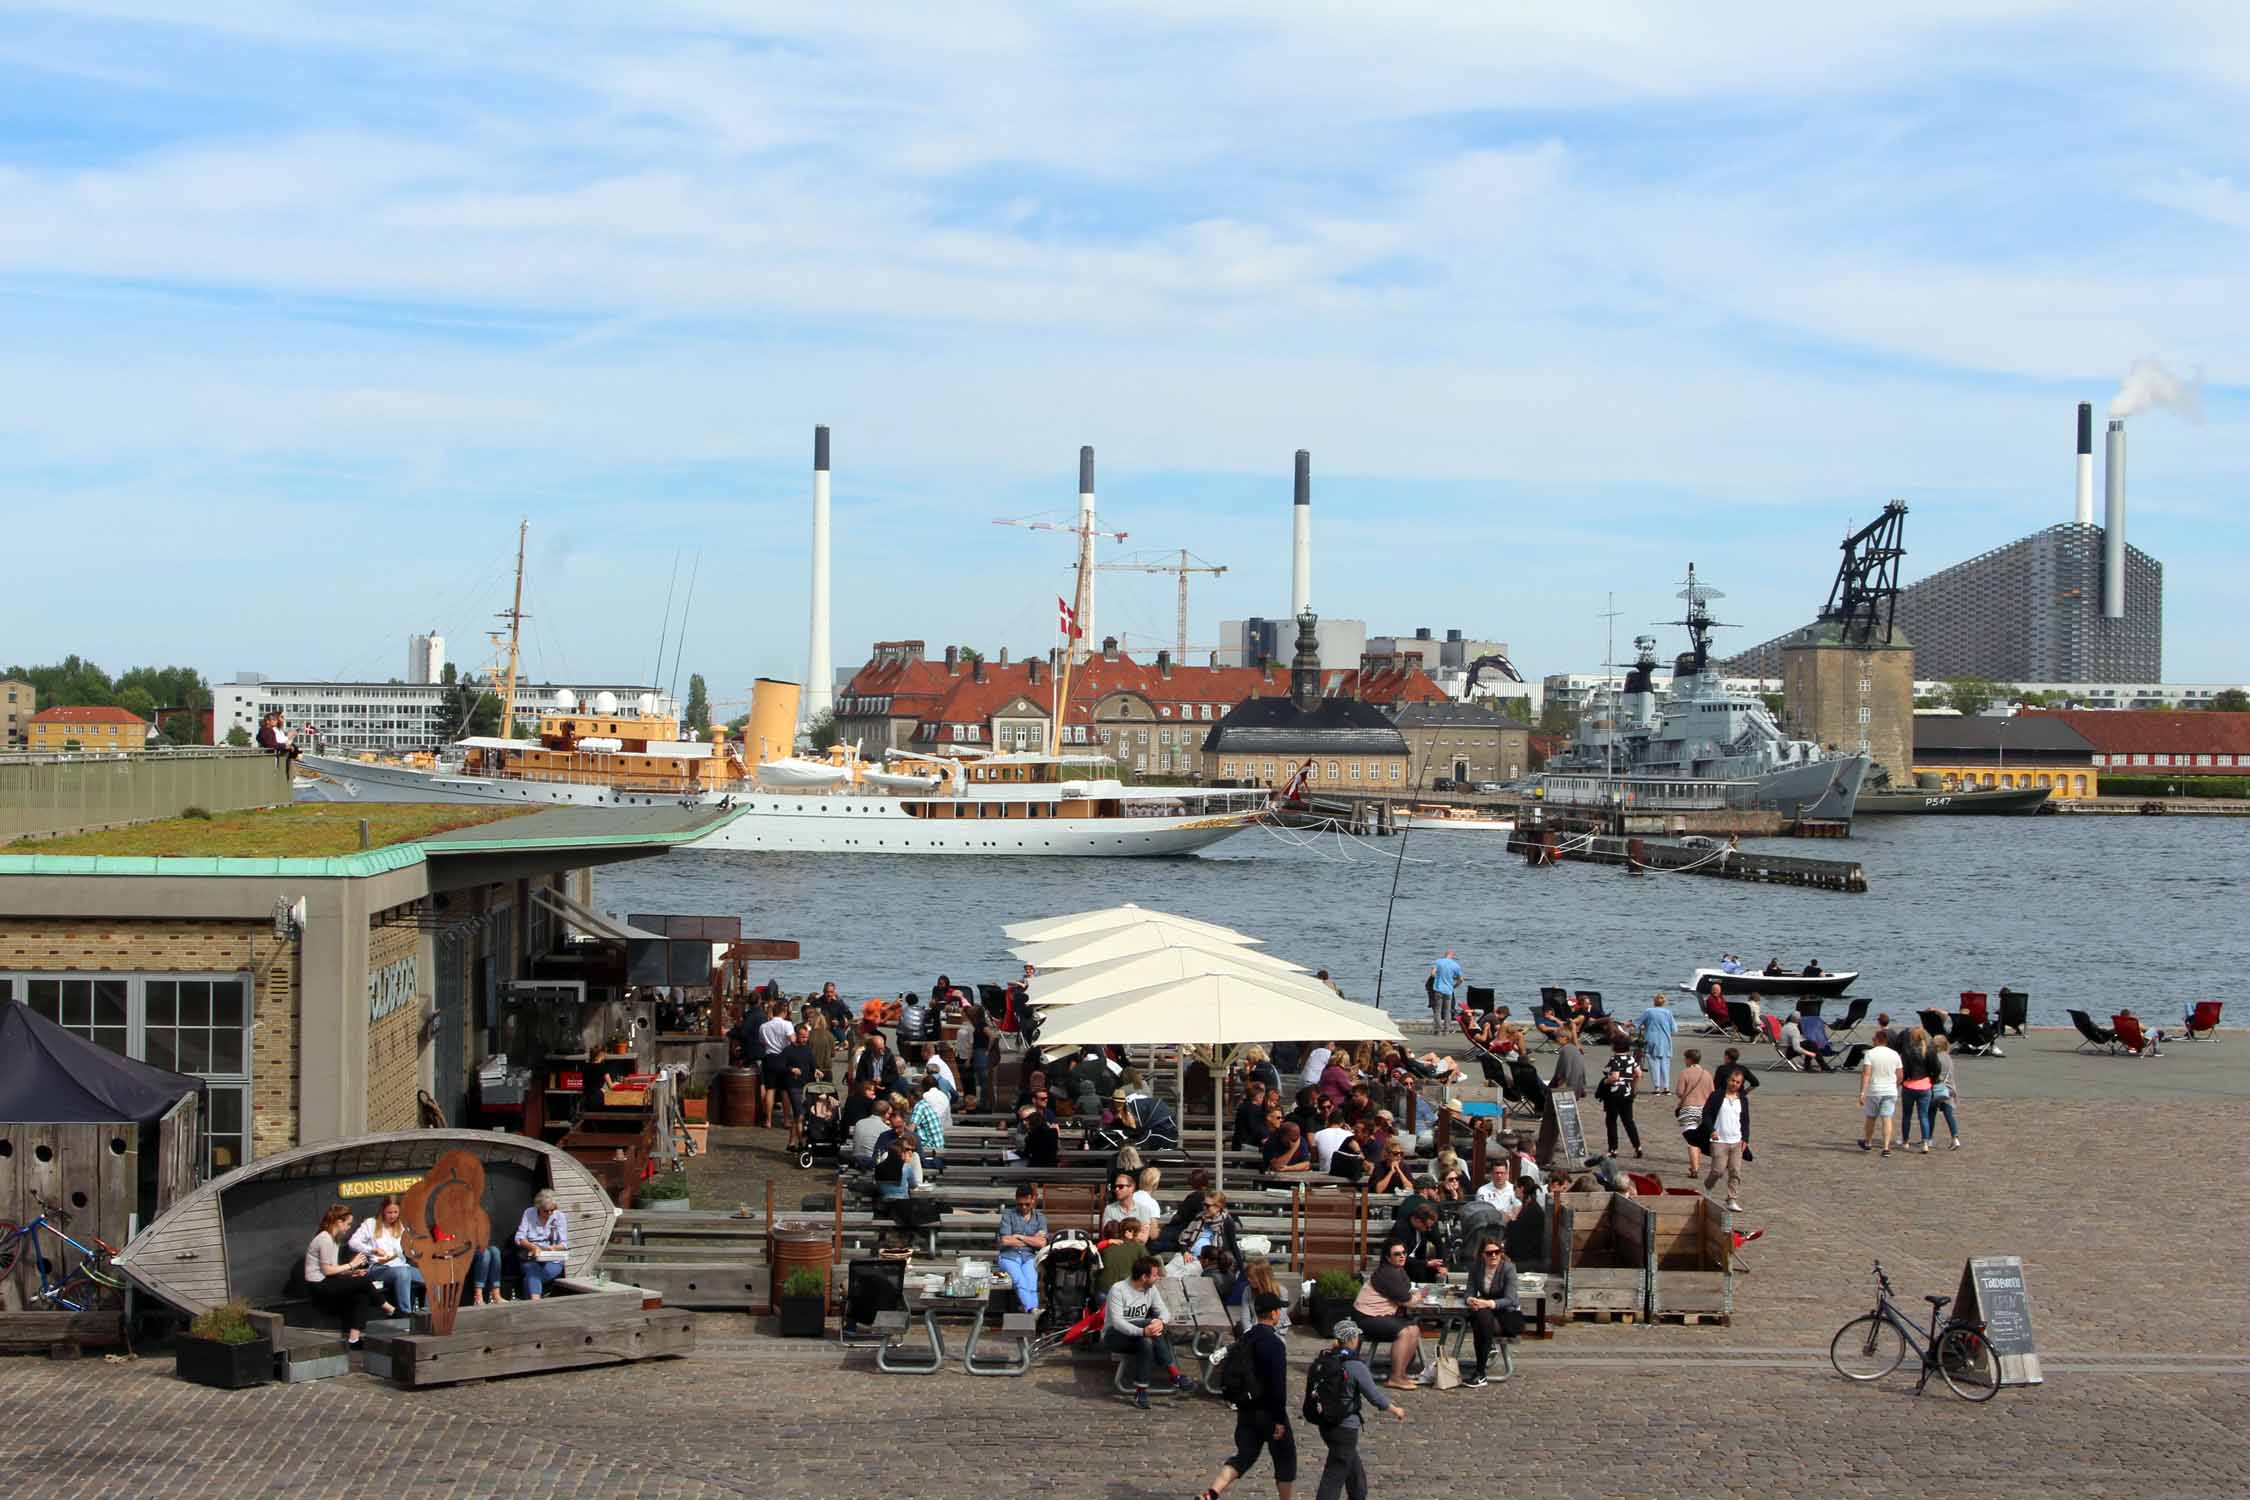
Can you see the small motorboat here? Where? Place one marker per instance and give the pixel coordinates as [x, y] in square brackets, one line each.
[1833, 983]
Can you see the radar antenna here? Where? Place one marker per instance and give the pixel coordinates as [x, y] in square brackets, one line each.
[1699, 623]
[1864, 601]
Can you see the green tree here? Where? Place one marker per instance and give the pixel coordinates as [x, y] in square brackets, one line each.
[470, 708]
[1515, 710]
[970, 654]
[822, 732]
[1970, 696]
[1773, 703]
[182, 729]
[1556, 717]
[137, 702]
[698, 703]
[167, 687]
[238, 737]
[2230, 701]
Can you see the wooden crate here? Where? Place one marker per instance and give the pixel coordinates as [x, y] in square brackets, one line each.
[60, 1332]
[1600, 1245]
[553, 1333]
[1692, 1272]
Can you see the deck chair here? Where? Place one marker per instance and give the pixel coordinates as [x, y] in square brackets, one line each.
[1773, 1039]
[1854, 1013]
[1974, 1005]
[1715, 1016]
[2202, 1023]
[1481, 999]
[1817, 1045]
[1974, 1038]
[2015, 1010]
[2092, 1035]
[2133, 1039]
[1933, 1022]
[1853, 1056]
[1594, 1011]
[1809, 1005]
[1739, 1024]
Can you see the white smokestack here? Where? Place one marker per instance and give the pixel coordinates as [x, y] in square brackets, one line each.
[2113, 532]
[1300, 539]
[820, 680]
[1080, 648]
[2085, 512]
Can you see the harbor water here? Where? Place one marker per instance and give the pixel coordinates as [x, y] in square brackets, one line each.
[2083, 912]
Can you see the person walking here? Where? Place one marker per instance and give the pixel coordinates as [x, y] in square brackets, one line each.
[1445, 978]
[1878, 1091]
[1657, 1025]
[1688, 1097]
[1335, 1392]
[1621, 1075]
[1943, 1091]
[1261, 1401]
[1725, 1133]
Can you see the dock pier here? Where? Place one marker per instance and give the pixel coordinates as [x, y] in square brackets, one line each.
[1545, 844]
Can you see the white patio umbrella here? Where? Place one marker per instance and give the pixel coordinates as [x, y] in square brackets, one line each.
[1132, 971]
[1077, 924]
[1219, 1011]
[1133, 937]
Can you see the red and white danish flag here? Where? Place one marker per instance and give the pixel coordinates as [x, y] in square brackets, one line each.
[1069, 620]
[1295, 789]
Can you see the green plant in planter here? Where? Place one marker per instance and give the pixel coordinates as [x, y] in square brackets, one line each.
[803, 1305]
[228, 1323]
[664, 1187]
[804, 1284]
[1336, 1286]
[695, 1088]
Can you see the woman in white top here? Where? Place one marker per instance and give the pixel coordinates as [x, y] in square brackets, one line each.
[542, 1235]
[340, 1284]
[381, 1238]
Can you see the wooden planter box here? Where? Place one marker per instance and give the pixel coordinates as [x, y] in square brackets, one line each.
[1693, 1268]
[1603, 1252]
[803, 1317]
[223, 1367]
[695, 1109]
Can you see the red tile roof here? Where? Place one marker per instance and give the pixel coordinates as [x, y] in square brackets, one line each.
[2154, 731]
[86, 714]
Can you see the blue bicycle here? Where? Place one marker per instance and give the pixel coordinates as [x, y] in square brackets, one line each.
[61, 1285]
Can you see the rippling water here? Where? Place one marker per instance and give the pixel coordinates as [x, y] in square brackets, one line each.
[2092, 912]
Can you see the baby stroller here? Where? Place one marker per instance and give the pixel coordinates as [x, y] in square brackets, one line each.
[824, 1127]
[1066, 1291]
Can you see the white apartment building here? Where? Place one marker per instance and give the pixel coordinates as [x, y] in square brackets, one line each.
[385, 716]
[425, 657]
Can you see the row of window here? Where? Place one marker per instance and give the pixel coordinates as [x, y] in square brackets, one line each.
[1337, 771]
[2182, 758]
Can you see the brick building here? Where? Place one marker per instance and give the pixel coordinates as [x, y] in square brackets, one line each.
[2029, 750]
[318, 996]
[1846, 696]
[2139, 743]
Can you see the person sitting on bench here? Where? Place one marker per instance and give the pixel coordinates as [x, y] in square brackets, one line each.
[339, 1285]
[1133, 1323]
[1493, 1308]
[542, 1235]
[1385, 1310]
[1023, 1234]
[381, 1240]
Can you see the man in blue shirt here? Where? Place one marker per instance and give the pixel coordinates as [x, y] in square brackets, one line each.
[1023, 1234]
[1657, 1024]
[1445, 974]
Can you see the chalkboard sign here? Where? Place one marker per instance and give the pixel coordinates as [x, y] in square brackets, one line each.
[1992, 1289]
[1567, 1125]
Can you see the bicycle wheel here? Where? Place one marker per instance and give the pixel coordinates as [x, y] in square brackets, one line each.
[1966, 1359]
[1867, 1348]
[10, 1237]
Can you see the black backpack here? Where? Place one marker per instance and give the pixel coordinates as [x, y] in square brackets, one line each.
[1239, 1385]
[1330, 1395]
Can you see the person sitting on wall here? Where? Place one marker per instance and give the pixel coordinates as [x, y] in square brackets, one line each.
[542, 1236]
[381, 1240]
[339, 1284]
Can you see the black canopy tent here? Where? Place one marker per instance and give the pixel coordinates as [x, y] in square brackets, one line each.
[108, 1140]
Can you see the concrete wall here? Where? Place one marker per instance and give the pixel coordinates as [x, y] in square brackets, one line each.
[40, 798]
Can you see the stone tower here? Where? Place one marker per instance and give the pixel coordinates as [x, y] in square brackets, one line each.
[1851, 697]
[1304, 669]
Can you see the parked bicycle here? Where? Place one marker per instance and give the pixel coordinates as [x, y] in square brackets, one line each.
[61, 1285]
[1871, 1346]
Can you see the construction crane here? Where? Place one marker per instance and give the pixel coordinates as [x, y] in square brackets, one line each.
[1186, 563]
[1082, 597]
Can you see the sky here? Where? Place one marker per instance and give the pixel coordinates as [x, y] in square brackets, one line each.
[302, 307]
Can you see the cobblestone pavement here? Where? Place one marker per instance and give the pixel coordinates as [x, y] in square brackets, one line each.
[2126, 1211]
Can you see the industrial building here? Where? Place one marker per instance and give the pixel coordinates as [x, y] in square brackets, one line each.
[2073, 603]
[425, 657]
[392, 717]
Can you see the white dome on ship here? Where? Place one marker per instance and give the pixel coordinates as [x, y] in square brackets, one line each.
[565, 699]
[647, 702]
[605, 703]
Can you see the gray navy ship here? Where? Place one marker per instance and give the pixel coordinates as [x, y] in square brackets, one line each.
[1703, 746]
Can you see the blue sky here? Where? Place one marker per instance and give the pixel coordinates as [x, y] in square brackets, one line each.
[304, 305]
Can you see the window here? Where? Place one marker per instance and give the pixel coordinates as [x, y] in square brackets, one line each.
[2163, 759]
[190, 1023]
[1395, 768]
[1865, 715]
[1332, 770]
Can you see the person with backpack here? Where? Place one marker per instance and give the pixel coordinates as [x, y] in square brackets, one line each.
[1334, 1391]
[1254, 1380]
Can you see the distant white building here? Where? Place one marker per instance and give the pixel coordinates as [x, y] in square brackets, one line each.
[425, 657]
[1251, 642]
[387, 716]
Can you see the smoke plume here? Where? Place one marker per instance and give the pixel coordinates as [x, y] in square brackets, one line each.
[2148, 384]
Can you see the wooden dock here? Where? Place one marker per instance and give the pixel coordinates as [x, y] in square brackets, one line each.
[1546, 844]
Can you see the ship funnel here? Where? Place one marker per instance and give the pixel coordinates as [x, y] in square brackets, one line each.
[820, 679]
[771, 733]
[2113, 528]
[1300, 539]
[1082, 647]
[2085, 512]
